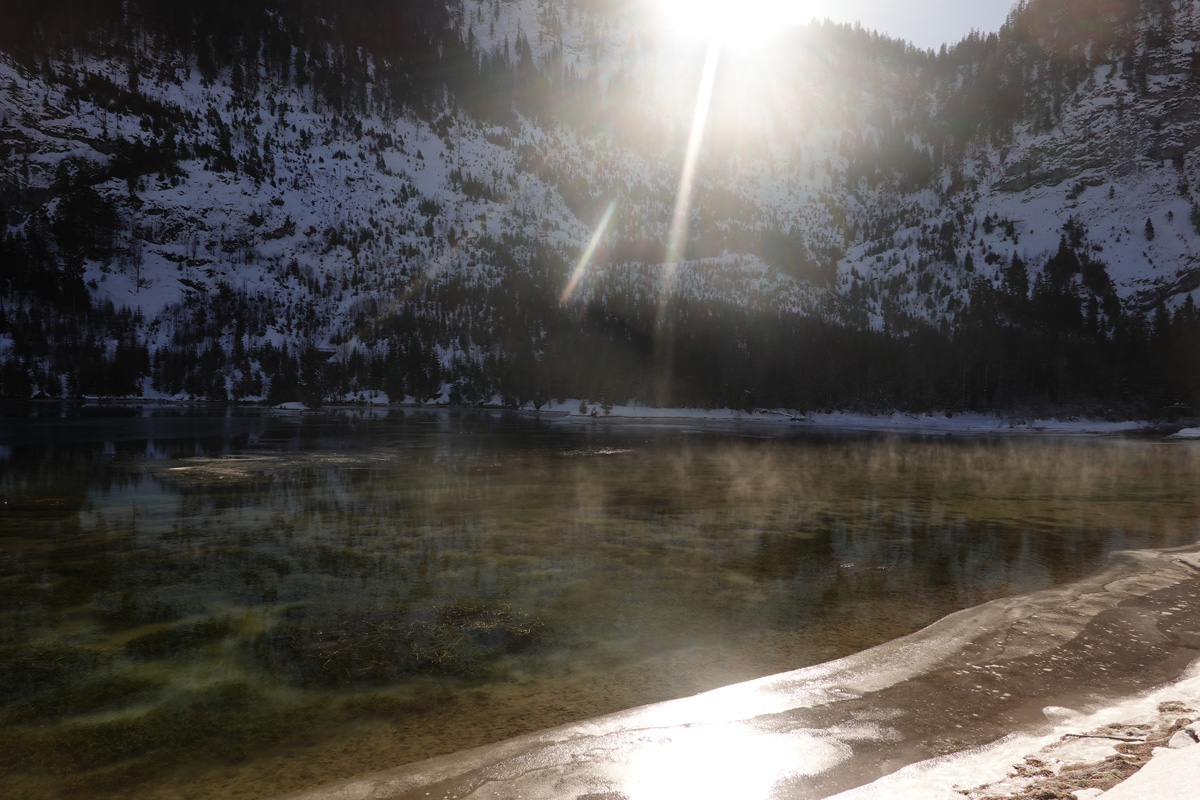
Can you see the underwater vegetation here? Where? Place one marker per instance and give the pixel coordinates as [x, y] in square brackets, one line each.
[224, 721]
[463, 639]
[76, 694]
[29, 670]
[177, 639]
[84, 720]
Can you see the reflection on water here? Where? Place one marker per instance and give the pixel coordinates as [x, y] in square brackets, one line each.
[236, 604]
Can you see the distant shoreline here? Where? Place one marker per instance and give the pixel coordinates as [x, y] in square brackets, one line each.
[568, 412]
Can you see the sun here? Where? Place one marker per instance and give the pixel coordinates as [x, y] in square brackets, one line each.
[736, 23]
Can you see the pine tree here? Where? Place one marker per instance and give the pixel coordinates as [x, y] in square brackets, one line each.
[1016, 279]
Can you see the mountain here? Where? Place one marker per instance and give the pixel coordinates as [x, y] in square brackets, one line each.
[327, 201]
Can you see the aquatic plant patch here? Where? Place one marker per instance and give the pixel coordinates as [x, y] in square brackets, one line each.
[462, 639]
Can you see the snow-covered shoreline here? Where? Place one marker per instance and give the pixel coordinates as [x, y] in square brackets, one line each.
[895, 421]
[579, 412]
[1019, 766]
[971, 706]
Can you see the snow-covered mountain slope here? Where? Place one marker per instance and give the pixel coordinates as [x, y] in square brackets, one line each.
[302, 214]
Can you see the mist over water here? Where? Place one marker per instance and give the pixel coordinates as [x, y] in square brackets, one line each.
[269, 601]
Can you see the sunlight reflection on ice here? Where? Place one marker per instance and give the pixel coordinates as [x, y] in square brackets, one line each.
[743, 701]
[724, 761]
[720, 754]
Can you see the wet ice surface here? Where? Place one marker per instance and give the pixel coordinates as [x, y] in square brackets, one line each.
[1083, 754]
[938, 700]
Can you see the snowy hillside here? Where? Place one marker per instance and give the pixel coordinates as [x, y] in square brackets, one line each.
[268, 204]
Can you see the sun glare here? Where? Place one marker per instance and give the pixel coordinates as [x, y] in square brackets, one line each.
[736, 23]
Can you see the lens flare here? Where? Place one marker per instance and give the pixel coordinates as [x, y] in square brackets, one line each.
[677, 238]
[589, 253]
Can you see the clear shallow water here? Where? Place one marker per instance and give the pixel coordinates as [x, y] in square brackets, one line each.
[225, 604]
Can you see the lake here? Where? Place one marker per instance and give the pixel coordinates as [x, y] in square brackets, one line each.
[239, 603]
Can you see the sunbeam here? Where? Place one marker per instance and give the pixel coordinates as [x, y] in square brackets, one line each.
[589, 252]
[683, 197]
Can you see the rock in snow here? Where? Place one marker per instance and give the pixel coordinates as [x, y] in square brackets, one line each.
[1181, 739]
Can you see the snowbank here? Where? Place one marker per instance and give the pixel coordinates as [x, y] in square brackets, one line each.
[973, 423]
[1170, 775]
[1012, 767]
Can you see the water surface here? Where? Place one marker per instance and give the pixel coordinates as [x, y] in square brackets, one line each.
[238, 603]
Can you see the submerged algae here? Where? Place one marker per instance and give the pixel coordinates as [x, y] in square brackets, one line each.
[462, 639]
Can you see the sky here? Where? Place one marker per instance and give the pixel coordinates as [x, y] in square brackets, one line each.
[925, 23]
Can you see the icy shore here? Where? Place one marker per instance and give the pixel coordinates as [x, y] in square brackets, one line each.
[1138, 748]
[962, 423]
[574, 411]
[980, 698]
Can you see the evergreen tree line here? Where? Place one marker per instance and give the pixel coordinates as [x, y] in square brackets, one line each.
[1060, 342]
[69, 352]
[365, 56]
